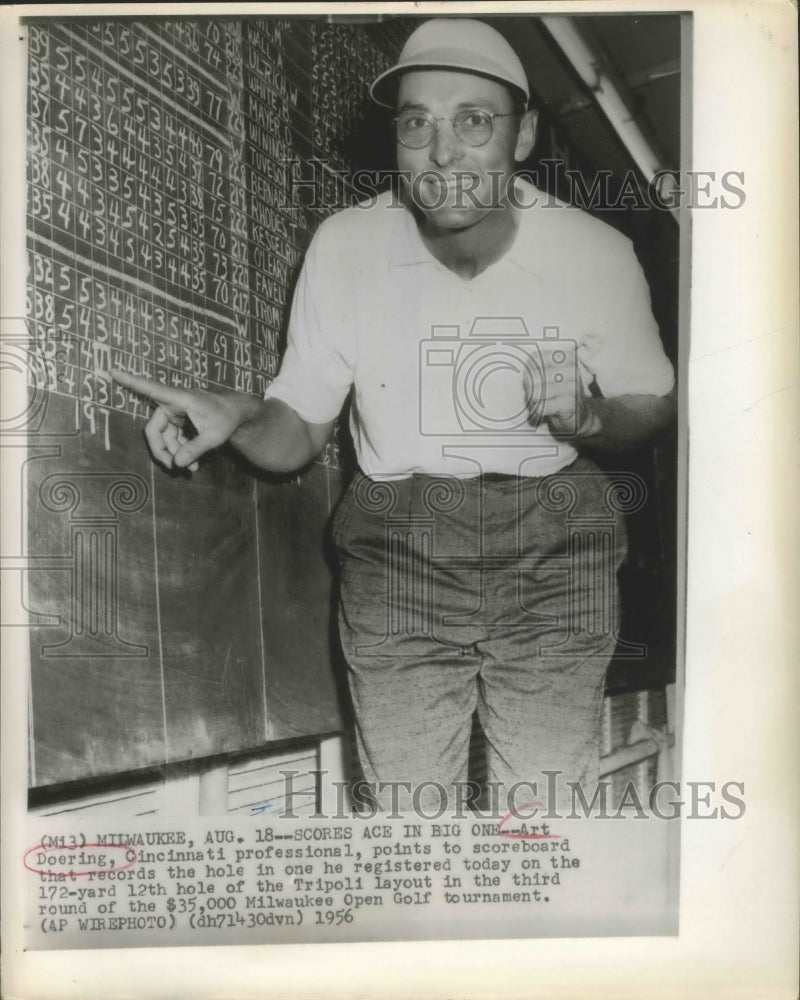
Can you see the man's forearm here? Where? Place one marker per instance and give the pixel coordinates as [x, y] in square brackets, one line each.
[273, 437]
[625, 422]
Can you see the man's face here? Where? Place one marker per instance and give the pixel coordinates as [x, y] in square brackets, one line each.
[454, 184]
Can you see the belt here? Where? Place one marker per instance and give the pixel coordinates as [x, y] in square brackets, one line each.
[498, 477]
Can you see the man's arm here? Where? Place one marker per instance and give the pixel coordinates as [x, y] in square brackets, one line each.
[617, 423]
[277, 439]
[267, 433]
[621, 423]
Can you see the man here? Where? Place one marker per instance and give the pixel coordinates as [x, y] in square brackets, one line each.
[469, 322]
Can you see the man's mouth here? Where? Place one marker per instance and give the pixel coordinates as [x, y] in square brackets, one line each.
[461, 181]
[444, 189]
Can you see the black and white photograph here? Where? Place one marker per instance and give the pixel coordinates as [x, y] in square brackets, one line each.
[358, 365]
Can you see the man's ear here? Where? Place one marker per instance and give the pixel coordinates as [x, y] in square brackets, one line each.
[526, 136]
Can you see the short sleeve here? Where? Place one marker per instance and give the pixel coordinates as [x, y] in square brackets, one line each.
[317, 367]
[622, 348]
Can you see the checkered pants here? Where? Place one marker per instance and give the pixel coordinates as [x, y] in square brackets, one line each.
[496, 593]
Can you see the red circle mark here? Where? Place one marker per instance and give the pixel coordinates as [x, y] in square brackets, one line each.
[524, 836]
[80, 847]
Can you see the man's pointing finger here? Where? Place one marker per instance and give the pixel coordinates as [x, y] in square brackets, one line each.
[148, 387]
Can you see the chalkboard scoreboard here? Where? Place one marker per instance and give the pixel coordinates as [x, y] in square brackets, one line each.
[176, 172]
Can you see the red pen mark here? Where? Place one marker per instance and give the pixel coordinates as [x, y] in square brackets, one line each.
[524, 836]
[82, 858]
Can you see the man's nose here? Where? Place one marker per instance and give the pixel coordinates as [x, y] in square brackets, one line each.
[445, 147]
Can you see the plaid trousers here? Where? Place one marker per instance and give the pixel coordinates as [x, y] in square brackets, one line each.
[496, 593]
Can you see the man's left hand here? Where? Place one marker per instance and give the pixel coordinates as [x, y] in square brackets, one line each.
[555, 393]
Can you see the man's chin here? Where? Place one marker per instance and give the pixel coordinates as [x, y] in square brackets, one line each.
[448, 217]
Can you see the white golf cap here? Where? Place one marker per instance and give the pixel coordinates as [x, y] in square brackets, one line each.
[454, 43]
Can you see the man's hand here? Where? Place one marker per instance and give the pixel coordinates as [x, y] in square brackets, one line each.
[215, 418]
[555, 393]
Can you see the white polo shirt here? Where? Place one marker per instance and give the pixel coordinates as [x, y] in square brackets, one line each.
[436, 363]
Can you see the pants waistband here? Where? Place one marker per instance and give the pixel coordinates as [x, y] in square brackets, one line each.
[580, 462]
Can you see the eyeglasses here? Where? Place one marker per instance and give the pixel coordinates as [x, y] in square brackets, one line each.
[473, 126]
